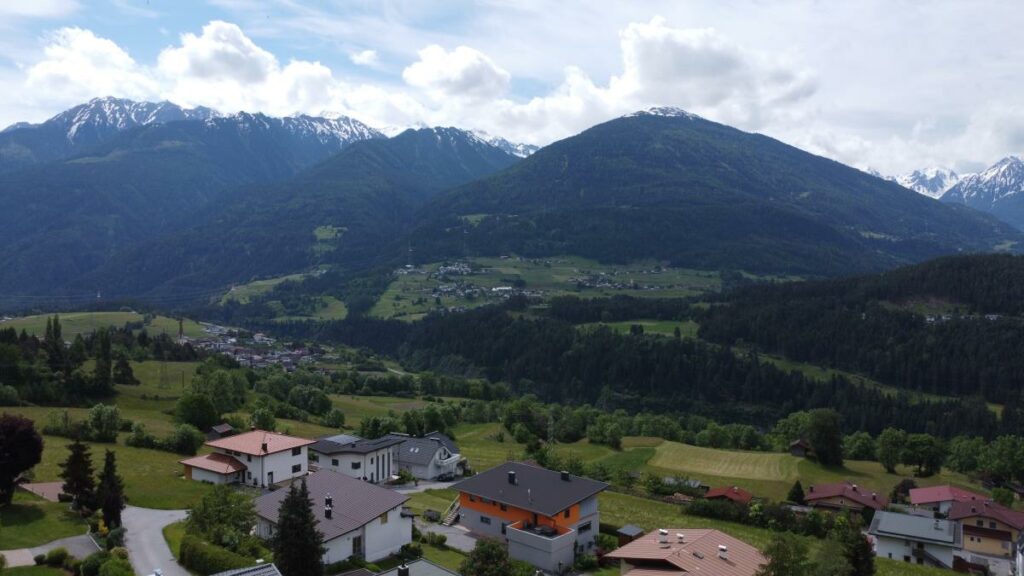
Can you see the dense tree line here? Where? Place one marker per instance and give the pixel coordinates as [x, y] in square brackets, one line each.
[859, 325]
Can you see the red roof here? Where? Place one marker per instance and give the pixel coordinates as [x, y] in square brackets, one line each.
[733, 493]
[987, 509]
[947, 493]
[696, 552]
[218, 463]
[259, 443]
[858, 494]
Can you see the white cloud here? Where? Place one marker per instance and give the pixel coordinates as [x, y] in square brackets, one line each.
[38, 8]
[78, 65]
[364, 58]
[462, 72]
[222, 53]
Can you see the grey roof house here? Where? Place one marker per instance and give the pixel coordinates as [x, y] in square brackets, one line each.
[915, 539]
[355, 517]
[370, 460]
[432, 456]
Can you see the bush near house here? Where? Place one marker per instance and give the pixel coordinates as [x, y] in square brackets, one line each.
[205, 558]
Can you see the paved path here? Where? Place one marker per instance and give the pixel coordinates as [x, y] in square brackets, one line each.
[147, 548]
[423, 485]
[78, 546]
[458, 537]
[45, 490]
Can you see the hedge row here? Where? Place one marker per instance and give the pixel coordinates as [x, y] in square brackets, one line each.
[205, 558]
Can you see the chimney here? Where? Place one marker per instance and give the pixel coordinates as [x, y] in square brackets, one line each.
[663, 538]
[854, 487]
[811, 489]
[974, 510]
[723, 551]
[874, 495]
[328, 501]
[327, 513]
[403, 570]
[263, 447]
[512, 477]
[680, 538]
[565, 476]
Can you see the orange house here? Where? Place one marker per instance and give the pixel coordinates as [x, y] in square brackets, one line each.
[545, 517]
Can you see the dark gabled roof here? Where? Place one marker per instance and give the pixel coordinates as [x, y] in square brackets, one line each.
[355, 502]
[630, 531]
[331, 444]
[446, 441]
[987, 509]
[419, 451]
[421, 567]
[257, 570]
[863, 496]
[536, 489]
[223, 428]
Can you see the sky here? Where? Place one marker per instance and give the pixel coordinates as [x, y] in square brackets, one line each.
[889, 85]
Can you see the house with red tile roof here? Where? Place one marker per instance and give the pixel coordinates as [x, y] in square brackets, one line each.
[844, 496]
[255, 458]
[688, 551]
[989, 528]
[732, 493]
[939, 499]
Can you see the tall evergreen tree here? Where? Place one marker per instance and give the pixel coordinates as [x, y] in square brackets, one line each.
[110, 492]
[796, 493]
[123, 373]
[298, 546]
[826, 436]
[102, 374]
[77, 473]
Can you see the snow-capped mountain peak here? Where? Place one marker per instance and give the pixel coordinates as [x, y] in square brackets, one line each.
[100, 117]
[991, 186]
[932, 182]
[514, 148]
[668, 111]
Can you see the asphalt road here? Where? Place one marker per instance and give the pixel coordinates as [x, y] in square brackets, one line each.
[147, 548]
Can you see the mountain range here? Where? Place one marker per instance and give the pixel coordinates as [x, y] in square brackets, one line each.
[932, 182]
[996, 190]
[152, 199]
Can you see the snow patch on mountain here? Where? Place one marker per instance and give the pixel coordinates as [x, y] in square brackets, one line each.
[667, 111]
[932, 182]
[514, 148]
[1003, 180]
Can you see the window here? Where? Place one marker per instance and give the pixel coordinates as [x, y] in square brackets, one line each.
[504, 527]
[485, 520]
[248, 458]
[504, 508]
[980, 523]
[384, 518]
[992, 525]
[566, 513]
[297, 451]
[248, 474]
[584, 528]
[371, 460]
[357, 465]
[334, 462]
[296, 468]
[472, 498]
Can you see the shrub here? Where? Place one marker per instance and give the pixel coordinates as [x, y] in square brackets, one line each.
[184, 440]
[116, 567]
[435, 539]
[140, 438]
[72, 564]
[91, 565]
[115, 538]
[120, 552]
[9, 396]
[39, 559]
[56, 557]
[585, 563]
[410, 551]
[206, 558]
[607, 542]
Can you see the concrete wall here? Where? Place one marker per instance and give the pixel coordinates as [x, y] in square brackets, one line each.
[277, 466]
[899, 549]
[374, 467]
[588, 514]
[549, 554]
[386, 538]
[212, 477]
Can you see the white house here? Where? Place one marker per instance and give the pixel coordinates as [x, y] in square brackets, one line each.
[256, 458]
[355, 517]
[427, 458]
[370, 460]
[939, 499]
[914, 539]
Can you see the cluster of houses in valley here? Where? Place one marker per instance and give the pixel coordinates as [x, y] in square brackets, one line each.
[548, 518]
[255, 351]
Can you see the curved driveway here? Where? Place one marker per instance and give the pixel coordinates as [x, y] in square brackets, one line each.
[147, 548]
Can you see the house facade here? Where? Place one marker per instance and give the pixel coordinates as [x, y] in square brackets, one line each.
[545, 517]
[433, 456]
[915, 539]
[688, 551]
[256, 458]
[355, 517]
[989, 529]
[369, 460]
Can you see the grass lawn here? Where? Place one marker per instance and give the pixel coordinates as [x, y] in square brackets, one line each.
[772, 474]
[433, 499]
[449, 558]
[34, 571]
[173, 534]
[356, 408]
[75, 323]
[887, 567]
[478, 443]
[153, 479]
[31, 521]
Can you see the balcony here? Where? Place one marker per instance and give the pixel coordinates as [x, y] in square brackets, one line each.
[547, 547]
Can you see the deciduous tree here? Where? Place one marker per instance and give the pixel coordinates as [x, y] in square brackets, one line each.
[21, 448]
